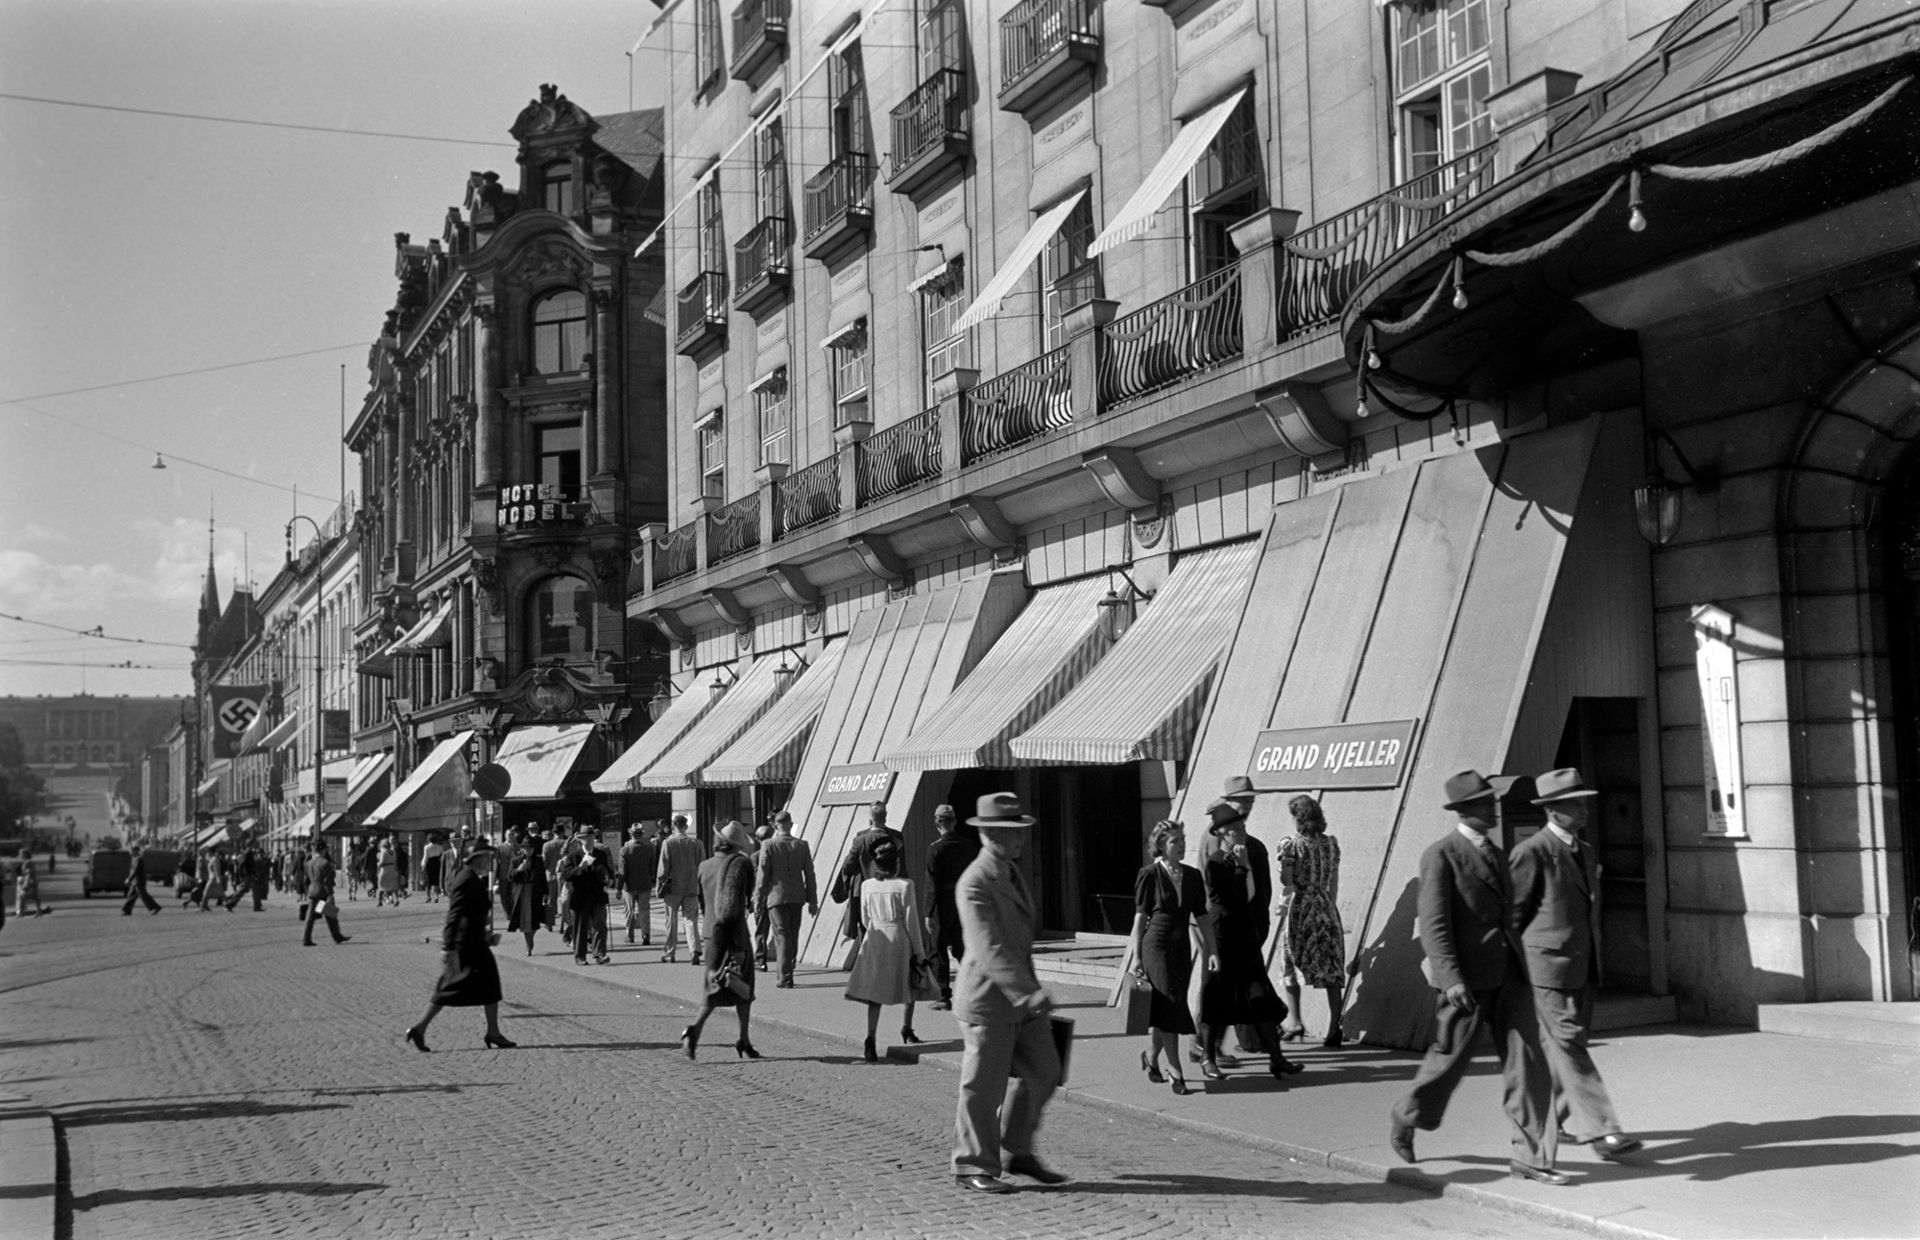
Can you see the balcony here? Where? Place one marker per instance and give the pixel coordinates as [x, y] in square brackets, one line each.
[1046, 46]
[675, 555]
[759, 36]
[702, 317]
[735, 529]
[1157, 346]
[931, 139]
[806, 497]
[898, 458]
[763, 266]
[839, 205]
[1023, 404]
[1325, 264]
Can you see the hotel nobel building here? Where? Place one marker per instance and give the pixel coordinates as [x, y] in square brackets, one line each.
[509, 447]
[1100, 400]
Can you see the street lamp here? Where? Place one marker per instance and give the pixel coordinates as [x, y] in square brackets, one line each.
[319, 671]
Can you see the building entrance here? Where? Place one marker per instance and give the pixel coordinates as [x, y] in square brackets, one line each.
[1602, 738]
[1902, 572]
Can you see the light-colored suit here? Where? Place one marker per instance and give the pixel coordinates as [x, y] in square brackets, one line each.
[1006, 1036]
[1556, 912]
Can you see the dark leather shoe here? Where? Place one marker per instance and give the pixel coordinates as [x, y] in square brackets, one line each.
[983, 1183]
[1539, 1175]
[1615, 1146]
[1401, 1140]
[1034, 1169]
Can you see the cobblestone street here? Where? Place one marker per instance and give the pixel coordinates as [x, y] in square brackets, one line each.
[209, 1076]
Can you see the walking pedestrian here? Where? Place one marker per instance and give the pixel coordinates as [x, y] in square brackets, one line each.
[213, 885]
[469, 976]
[857, 866]
[762, 921]
[1555, 875]
[183, 879]
[26, 886]
[947, 859]
[355, 866]
[370, 866]
[639, 858]
[528, 875]
[1476, 963]
[890, 946]
[249, 879]
[431, 861]
[297, 877]
[1169, 898]
[137, 885]
[783, 883]
[1002, 1009]
[681, 857]
[1315, 945]
[588, 875]
[389, 875]
[320, 898]
[1239, 883]
[726, 894]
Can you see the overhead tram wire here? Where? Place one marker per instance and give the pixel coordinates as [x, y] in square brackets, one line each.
[238, 120]
[96, 632]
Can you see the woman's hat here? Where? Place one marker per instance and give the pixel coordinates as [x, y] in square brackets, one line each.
[1466, 788]
[736, 835]
[1562, 785]
[999, 809]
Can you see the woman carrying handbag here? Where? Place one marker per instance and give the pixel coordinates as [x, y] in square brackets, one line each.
[726, 892]
[891, 946]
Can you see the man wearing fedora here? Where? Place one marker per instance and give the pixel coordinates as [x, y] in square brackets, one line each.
[783, 882]
[1556, 909]
[1474, 959]
[1002, 1010]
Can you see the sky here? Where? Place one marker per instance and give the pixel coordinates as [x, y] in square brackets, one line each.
[134, 247]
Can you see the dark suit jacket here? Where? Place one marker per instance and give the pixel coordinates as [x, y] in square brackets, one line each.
[785, 872]
[319, 877]
[1465, 916]
[639, 860]
[1555, 909]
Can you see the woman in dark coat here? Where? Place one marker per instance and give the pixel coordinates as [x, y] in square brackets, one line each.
[468, 975]
[1168, 897]
[1239, 886]
[529, 879]
[726, 891]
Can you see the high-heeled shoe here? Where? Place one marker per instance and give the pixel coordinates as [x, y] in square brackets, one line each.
[1282, 1067]
[416, 1037]
[690, 1038]
[1292, 1035]
[1152, 1069]
[744, 1049]
[1210, 1069]
[872, 1054]
[498, 1042]
[1335, 1040]
[908, 1036]
[1180, 1086]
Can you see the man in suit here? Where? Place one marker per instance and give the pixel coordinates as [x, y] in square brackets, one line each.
[858, 866]
[680, 858]
[1474, 960]
[638, 860]
[947, 860]
[782, 883]
[137, 885]
[1002, 1009]
[1556, 911]
[320, 897]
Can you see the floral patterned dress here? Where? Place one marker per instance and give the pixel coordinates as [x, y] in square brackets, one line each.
[1316, 946]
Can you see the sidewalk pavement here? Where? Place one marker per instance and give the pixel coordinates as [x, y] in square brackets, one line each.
[1748, 1134]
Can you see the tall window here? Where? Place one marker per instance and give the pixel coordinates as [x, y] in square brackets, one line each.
[710, 236]
[942, 302]
[774, 416]
[559, 449]
[561, 623]
[556, 187]
[942, 39]
[1226, 186]
[560, 332]
[848, 356]
[770, 171]
[848, 126]
[709, 58]
[1441, 79]
[713, 455]
[1069, 276]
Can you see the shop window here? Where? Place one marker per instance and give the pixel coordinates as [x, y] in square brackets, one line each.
[560, 333]
[848, 356]
[556, 187]
[713, 455]
[1069, 276]
[1226, 186]
[1441, 81]
[773, 414]
[709, 57]
[558, 451]
[942, 302]
[561, 620]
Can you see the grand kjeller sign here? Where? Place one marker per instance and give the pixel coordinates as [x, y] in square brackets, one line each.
[1339, 755]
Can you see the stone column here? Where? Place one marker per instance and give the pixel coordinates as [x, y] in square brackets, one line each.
[488, 430]
[605, 442]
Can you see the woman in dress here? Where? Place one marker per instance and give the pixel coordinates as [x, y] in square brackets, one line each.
[1316, 946]
[1168, 897]
[468, 975]
[1239, 883]
[890, 945]
[528, 876]
[430, 867]
[389, 876]
[213, 879]
[726, 892]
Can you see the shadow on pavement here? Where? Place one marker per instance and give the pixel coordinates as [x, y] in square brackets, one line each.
[1305, 1192]
[299, 1188]
[1722, 1151]
[14, 1044]
[171, 1112]
[599, 1046]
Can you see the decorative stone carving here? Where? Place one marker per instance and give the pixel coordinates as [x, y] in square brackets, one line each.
[550, 260]
[610, 576]
[552, 111]
[486, 579]
[1150, 527]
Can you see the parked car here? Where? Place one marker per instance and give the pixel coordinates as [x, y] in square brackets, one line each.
[107, 870]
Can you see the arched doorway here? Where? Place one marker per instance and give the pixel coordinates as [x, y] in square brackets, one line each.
[1900, 546]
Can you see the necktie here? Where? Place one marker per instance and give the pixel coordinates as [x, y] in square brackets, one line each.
[1020, 886]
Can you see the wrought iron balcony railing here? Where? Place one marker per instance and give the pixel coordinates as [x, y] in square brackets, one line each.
[762, 262]
[924, 120]
[759, 35]
[806, 496]
[1024, 403]
[674, 556]
[1036, 30]
[735, 529]
[839, 192]
[903, 455]
[1193, 330]
[702, 308]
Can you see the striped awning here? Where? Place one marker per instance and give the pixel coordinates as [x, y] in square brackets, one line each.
[622, 775]
[1036, 662]
[1021, 257]
[540, 757]
[769, 752]
[433, 797]
[740, 709]
[212, 781]
[211, 834]
[1175, 162]
[1145, 698]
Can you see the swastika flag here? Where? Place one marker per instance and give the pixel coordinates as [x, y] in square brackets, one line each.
[235, 707]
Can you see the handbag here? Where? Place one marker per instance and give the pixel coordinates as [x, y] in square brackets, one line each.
[663, 886]
[728, 975]
[1138, 999]
[1062, 1029]
[921, 982]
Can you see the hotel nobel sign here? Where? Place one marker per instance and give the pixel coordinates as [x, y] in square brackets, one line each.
[1339, 755]
[856, 784]
[532, 505]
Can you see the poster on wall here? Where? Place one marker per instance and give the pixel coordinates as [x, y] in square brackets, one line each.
[1719, 720]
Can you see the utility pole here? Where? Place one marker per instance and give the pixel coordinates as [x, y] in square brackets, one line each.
[319, 671]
